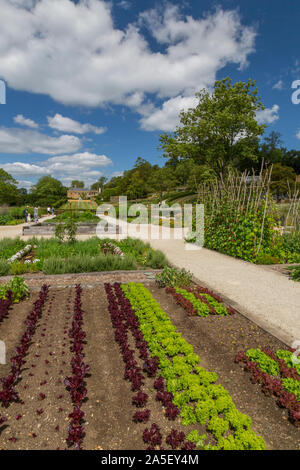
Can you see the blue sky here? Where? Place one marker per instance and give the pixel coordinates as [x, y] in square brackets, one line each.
[92, 84]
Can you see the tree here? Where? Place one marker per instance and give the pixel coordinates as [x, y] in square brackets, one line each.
[99, 184]
[163, 180]
[292, 158]
[222, 128]
[9, 193]
[48, 191]
[282, 178]
[183, 171]
[201, 174]
[271, 150]
[77, 184]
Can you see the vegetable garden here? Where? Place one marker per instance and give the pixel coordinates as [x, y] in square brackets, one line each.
[137, 366]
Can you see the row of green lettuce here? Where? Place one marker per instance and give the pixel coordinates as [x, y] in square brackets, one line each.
[266, 364]
[195, 391]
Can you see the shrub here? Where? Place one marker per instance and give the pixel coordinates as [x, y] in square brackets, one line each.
[10, 246]
[295, 273]
[86, 263]
[4, 267]
[173, 277]
[17, 286]
[156, 259]
[18, 268]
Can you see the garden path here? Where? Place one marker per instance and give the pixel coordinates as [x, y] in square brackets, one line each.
[265, 296]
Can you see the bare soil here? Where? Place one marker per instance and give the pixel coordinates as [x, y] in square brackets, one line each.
[41, 422]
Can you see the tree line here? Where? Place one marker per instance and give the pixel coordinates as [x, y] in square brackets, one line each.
[221, 132]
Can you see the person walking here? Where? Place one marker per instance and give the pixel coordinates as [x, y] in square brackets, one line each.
[36, 214]
[48, 210]
[25, 212]
[53, 211]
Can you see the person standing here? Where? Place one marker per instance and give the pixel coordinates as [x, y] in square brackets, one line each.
[48, 210]
[25, 215]
[52, 210]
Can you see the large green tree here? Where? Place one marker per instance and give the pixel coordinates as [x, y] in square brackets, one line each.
[221, 130]
[283, 178]
[48, 191]
[99, 184]
[77, 184]
[9, 193]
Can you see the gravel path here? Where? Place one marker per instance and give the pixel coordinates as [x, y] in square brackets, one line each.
[264, 295]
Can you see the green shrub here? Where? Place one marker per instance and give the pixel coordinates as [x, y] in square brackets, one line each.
[86, 263]
[17, 267]
[295, 273]
[10, 246]
[173, 277]
[48, 248]
[4, 267]
[17, 286]
[156, 259]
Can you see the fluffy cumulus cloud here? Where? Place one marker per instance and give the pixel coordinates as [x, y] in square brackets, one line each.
[74, 53]
[20, 119]
[85, 166]
[65, 124]
[25, 169]
[166, 117]
[298, 135]
[268, 115]
[22, 141]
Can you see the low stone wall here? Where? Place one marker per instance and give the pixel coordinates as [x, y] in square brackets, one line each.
[82, 229]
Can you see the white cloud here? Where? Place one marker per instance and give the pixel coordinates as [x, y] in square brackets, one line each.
[278, 85]
[75, 54]
[65, 124]
[85, 166]
[14, 140]
[125, 4]
[24, 3]
[24, 169]
[116, 173]
[20, 119]
[167, 117]
[298, 135]
[25, 184]
[268, 115]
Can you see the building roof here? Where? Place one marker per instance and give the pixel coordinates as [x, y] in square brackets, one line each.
[81, 190]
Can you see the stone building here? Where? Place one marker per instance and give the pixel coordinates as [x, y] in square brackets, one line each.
[79, 193]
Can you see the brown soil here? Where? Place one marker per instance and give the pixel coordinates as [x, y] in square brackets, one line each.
[108, 409]
[217, 340]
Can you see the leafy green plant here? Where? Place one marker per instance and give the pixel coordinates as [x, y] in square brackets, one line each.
[10, 246]
[295, 273]
[173, 277]
[87, 263]
[4, 267]
[200, 399]
[264, 362]
[17, 286]
[17, 267]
